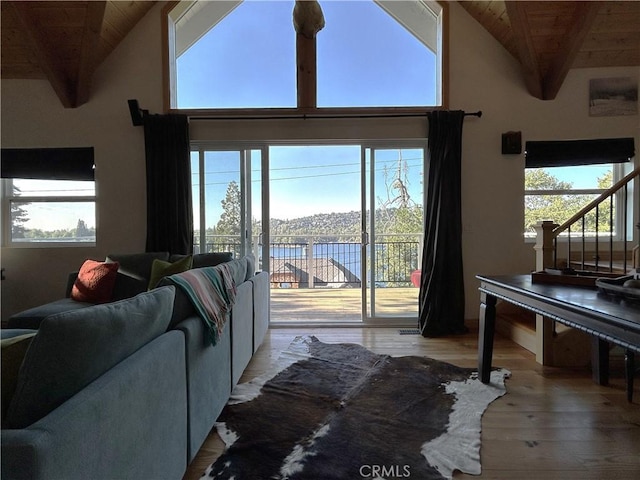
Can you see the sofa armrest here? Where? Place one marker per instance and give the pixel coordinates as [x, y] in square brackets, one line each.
[129, 423]
[71, 279]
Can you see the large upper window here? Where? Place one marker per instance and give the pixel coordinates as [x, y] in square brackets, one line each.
[246, 54]
[369, 57]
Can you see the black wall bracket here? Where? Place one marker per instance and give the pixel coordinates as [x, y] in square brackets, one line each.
[137, 114]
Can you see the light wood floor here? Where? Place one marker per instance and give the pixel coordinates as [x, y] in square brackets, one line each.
[553, 424]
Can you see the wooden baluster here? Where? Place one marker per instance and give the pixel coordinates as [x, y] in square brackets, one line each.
[544, 246]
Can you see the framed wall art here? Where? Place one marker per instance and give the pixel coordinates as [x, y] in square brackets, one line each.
[610, 97]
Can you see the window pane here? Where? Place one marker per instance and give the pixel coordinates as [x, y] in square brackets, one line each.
[569, 178]
[256, 204]
[366, 58]
[222, 200]
[246, 60]
[559, 205]
[53, 222]
[558, 208]
[52, 188]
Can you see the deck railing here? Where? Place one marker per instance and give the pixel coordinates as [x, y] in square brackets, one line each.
[331, 260]
[605, 245]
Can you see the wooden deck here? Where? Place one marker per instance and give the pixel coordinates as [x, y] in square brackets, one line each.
[339, 305]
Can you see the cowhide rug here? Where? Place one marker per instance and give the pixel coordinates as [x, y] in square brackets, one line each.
[341, 412]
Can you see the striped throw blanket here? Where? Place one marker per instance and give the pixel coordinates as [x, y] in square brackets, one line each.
[212, 292]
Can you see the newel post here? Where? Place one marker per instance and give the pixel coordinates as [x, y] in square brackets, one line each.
[544, 245]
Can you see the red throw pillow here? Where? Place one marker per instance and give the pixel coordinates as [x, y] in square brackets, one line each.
[95, 282]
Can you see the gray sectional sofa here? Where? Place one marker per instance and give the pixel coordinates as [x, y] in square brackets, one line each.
[131, 388]
[133, 276]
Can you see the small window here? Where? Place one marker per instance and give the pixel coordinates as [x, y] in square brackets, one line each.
[558, 193]
[49, 212]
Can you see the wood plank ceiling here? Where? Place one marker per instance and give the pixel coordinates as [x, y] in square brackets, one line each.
[550, 38]
[65, 41]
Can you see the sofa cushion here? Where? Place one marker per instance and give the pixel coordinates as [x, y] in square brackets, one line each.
[206, 259]
[161, 269]
[182, 305]
[137, 265]
[238, 269]
[13, 349]
[127, 287]
[95, 282]
[251, 266]
[32, 318]
[74, 348]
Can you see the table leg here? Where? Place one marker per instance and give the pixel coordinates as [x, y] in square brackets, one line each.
[485, 335]
[629, 372]
[600, 361]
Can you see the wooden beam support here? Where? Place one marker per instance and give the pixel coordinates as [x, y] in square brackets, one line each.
[524, 45]
[46, 55]
[306, 71]
[89, 51]
[583, 18]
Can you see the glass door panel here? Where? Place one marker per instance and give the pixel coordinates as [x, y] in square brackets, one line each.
[393, 201]
[315, 232]
[224, 198]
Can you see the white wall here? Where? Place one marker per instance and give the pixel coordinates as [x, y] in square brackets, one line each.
[483, 76]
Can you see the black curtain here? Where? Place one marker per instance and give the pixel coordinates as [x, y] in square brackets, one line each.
[441, 298]
[169, 209]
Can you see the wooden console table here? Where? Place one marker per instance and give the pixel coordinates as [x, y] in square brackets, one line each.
[607, 319]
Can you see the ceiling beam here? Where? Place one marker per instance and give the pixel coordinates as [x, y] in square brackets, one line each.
[583, 18]
[89, 50]
[45, 53]
[524, 46]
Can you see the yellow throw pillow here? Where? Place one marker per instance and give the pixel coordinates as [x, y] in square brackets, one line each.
[13, 352]
[161, 269]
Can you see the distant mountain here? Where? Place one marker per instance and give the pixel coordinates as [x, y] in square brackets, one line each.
[344, 226]
[344, 223]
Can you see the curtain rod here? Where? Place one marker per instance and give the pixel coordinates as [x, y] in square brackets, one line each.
[305, 116]
[138, 114]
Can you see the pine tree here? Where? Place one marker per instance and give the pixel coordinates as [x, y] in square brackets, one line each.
[229, 223]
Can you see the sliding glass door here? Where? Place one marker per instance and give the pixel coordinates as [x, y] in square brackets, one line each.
[392, 205]
[337, 226]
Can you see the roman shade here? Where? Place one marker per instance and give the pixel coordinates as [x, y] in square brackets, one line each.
[565, 153]
[48, 163]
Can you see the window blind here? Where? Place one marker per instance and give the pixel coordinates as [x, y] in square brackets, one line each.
[75, 163]
[564, 153]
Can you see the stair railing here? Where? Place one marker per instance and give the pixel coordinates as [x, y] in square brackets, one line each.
[547, 232]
